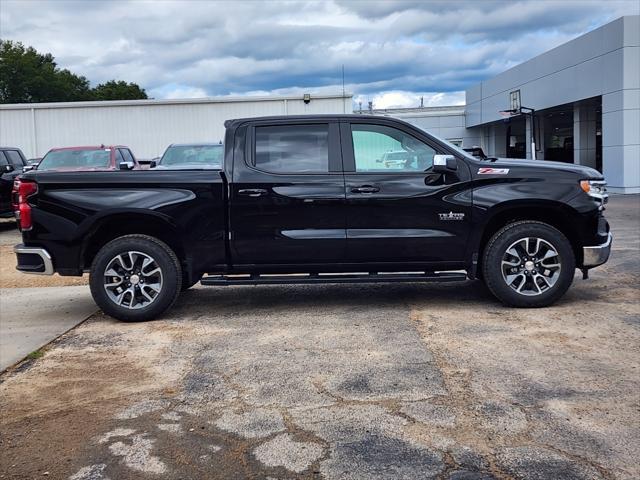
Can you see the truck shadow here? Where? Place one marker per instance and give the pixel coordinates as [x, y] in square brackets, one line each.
[333, 296]
[466, 297]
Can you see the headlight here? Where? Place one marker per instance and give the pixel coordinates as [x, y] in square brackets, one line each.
[595, 188]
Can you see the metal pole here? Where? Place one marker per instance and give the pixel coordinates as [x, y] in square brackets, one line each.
[533, 136]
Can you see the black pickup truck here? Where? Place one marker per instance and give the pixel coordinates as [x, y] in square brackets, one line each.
[309, 199]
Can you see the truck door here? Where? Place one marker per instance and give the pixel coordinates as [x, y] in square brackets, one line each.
[398, 209]
[287, 196]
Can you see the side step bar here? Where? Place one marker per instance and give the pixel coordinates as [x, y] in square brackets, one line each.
[278, 279]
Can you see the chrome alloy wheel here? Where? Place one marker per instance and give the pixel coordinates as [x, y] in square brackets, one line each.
[133, 280]
[531, 266]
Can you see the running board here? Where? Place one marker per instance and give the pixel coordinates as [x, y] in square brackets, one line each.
[278, 279]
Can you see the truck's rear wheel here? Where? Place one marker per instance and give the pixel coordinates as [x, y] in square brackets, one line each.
[528, 264]
[135, 278]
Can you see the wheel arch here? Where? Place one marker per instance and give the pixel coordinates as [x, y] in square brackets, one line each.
[556, 214]
[110, 227]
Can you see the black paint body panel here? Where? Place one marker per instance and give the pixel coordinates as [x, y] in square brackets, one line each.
[242, 219]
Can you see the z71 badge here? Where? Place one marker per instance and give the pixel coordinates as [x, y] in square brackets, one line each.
[451, 216]
[492, 171]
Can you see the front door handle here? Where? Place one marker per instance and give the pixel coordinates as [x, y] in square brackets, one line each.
[365, 189]
[252, 192]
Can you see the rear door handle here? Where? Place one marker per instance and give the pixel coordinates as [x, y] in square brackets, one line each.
[365, 189]
[252, 192]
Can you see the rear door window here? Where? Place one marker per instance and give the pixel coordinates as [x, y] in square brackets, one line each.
[3, 159]
[292, 148]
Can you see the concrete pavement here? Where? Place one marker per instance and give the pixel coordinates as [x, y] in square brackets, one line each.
[338, 382]
[32, 317]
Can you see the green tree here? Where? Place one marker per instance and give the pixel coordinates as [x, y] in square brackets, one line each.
[27, 76]
[118, 90]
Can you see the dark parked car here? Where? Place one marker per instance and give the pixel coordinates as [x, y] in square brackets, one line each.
[92, 158]
[191, 155]
[305, 195]
[12, 161]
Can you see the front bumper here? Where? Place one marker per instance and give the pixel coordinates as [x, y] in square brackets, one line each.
[596, 255]
[33, 260]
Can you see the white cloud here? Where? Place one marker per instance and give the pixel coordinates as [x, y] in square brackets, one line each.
[405, 99]
[183, 92]
[391, 50]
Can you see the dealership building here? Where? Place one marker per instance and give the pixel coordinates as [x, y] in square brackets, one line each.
[584, 96]
[586, 100]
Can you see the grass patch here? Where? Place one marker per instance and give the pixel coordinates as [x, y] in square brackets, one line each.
[35, 354]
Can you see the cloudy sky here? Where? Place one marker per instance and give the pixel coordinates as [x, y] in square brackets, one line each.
[393, 52]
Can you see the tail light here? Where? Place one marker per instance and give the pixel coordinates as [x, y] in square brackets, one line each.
[22, 190]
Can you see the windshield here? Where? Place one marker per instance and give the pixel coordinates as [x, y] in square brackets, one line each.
[94, 158]
[209, 155]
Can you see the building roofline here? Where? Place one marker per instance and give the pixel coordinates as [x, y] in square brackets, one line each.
[181, 101]
[546, 52]
[437, 109]
[419, 112]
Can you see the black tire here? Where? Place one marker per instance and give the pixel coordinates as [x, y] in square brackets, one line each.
[540, 294]
[144, 246]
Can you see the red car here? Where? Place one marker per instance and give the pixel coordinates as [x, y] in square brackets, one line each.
[114, 157]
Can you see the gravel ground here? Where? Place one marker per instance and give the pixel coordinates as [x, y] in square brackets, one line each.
[344, 382]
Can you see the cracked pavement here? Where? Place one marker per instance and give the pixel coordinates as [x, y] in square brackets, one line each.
[343, 382]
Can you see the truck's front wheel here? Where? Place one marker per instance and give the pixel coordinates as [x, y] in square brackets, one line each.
[528, 264]
[135, 278]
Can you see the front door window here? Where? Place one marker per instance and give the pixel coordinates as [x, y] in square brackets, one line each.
[381, 149]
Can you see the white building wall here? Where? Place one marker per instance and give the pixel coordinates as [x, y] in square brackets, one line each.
[147, 126]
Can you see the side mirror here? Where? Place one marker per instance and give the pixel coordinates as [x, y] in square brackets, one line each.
[444, 163]
[126, 165]
[153, 164]
[7, 168]
[28, 168]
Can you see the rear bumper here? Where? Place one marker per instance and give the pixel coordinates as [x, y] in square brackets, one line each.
[33, 260]
[598, 254]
